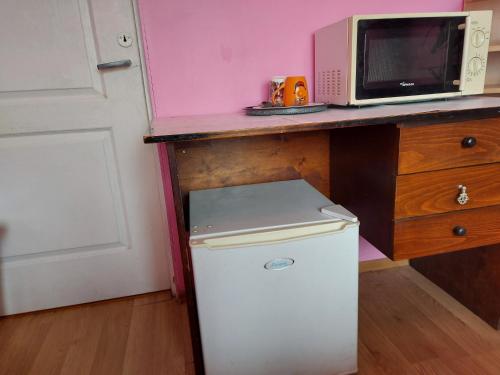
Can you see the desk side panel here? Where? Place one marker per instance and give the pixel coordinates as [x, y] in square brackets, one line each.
[471, 276]
[183, 239]
[364, 165]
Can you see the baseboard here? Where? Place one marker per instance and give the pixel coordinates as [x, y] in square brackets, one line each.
[380, 264]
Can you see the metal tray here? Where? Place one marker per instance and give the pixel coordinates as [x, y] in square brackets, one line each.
[267, 110]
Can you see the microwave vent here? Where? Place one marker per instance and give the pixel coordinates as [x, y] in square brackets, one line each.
[329, 83]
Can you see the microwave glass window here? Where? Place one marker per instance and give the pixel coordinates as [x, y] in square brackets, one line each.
[397, 58]
[410, 57]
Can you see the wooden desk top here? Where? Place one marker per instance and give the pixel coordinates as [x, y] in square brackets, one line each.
[205, 127]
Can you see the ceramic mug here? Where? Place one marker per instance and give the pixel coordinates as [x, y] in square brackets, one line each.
[276, 91]
[295, 92]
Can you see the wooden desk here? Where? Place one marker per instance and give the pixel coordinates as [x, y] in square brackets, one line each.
[397, 167]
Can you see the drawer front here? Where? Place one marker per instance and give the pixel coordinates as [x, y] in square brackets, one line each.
[429, 235]
[433, 147]
[437, 192]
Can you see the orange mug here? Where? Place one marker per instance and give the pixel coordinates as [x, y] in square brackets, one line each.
[295, 92]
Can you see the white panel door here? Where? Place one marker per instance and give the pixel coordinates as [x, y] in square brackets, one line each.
[80, 207]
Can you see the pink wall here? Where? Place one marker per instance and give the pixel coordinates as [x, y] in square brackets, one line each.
[213, 56]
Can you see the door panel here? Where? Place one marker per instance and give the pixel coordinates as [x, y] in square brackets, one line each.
[79, 198]
[77, 178]
[54, 46]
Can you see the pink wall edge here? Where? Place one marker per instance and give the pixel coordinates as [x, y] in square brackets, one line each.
[204, 82]
[180, 286]
[175, 249]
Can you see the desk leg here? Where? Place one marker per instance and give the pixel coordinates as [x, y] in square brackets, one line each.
[186, 261]
[471, 276]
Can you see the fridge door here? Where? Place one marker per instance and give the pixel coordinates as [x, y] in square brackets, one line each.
[284, 308]
[270, 236]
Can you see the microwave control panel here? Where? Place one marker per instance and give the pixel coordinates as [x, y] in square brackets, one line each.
[476, 52]
[480, 37]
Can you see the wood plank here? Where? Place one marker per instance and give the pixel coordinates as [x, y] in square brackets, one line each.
[489, 361]
[232, 162]
[381, 264]
[492, 89]
[404, 319]
[90, 339]
[58, 340]
[21, 339]
[112, 343]
[458, 310]
[368, 362]
[459, 366]
[429, 235]
[377, 351]
[473, 335]
[85, 332]
[494, 48]
[207, 127]
[154, 342]
[436, 192]
[428, 148]
[431, 367]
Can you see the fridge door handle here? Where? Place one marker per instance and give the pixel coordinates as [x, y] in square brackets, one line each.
[339, 212]
[272, 236]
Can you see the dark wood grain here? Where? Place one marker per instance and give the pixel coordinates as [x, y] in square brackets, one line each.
[436, 192]
[430, 235]
[472, 277]
[364, 164]
[428, 148]
[194, 326]
[240, 161]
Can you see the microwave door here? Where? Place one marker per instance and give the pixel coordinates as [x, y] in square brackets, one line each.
[407, 57]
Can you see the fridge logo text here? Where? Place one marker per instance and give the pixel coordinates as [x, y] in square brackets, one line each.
[278, 264]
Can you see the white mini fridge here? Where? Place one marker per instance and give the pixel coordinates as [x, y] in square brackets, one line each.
[276, 280]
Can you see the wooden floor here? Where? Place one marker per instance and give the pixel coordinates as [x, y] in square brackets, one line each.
[407, 326]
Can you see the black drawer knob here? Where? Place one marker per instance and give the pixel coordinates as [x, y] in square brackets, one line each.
[469, 142]
[459, 231]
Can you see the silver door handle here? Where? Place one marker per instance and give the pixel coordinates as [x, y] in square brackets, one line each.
[115, 64]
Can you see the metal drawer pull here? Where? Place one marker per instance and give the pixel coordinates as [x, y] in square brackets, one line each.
[462, 197]
[115, 64]
[469, 142]
[459, 231]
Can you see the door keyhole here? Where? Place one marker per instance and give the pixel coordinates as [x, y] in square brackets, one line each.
[124, 40]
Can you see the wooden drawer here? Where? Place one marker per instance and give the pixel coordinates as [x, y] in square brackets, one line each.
[431, 235]
[433, 147]
[436, 192]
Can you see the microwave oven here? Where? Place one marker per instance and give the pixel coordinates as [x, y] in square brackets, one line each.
[392, 58]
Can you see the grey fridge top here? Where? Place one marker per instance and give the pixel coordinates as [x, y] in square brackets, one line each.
[247, 208]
